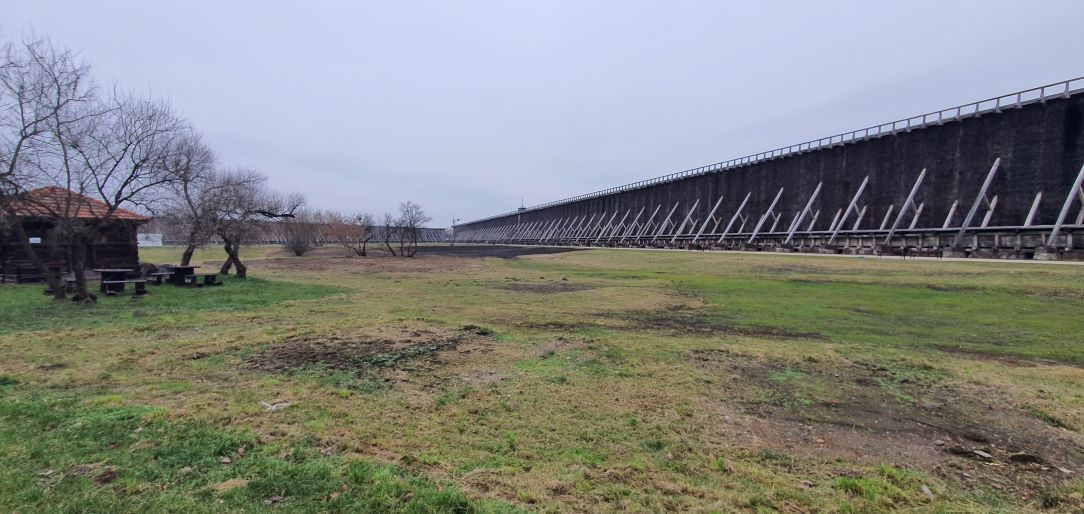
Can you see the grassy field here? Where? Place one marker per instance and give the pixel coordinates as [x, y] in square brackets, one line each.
[579, 381]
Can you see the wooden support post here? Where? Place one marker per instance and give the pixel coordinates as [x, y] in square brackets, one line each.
[858, 221]
[764, 217]
[1034, 209]
[615, 227]
[979, 200]
[632, 226]
[850, 207]
[989, 212]
[711, 216]
[1074, 192]
[667, 220]
[801, 217]
[835, 220]
[888, 214]
[909, 203]
[918, 212]
[562, 234]
[813, 221]
[590, 233]
[647, 224]
[607, 227]
[685, 221]
[737, 214]
[951, 212]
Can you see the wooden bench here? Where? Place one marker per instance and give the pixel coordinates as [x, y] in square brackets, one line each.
[160, 277]
[115, 287]
[202, 280]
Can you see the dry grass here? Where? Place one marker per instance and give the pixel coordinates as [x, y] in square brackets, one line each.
[616, 380]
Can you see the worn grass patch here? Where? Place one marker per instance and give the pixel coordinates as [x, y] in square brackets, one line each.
[676, 382]
[66, 454]
[25, 308]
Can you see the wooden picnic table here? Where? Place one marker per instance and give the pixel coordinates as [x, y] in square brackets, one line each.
[179, 274]
[160, 277]
[111, 275]
[115, 287]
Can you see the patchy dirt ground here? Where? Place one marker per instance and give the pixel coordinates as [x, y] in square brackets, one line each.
[676, 382]
[690, 319]
[503, 252]
[547, 287]
[429, 259]
[370, 352]
[909, 414]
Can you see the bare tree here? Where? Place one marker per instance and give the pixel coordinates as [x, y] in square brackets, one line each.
[110, 151]
[390, 231]
[352, 232]
[411, 220]
[189, 209]
[44, 91]
[118, 156]
[303, 231]
[242, 202]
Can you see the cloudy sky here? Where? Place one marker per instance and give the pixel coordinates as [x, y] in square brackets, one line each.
[468, 107]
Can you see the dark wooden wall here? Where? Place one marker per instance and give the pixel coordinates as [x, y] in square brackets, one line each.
[1041, 146]
[113, 246]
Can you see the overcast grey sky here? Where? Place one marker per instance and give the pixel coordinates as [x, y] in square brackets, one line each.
[465, 107]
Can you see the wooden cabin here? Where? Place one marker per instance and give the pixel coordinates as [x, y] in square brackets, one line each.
[113, 245]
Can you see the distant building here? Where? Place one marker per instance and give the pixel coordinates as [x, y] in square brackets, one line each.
[113, 245]
[149, 240]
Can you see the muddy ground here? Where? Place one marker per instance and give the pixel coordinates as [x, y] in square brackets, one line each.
[908, 414]
[383, 355]
[899, 412]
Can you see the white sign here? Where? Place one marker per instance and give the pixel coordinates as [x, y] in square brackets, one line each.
[150, 239]
[35, 240]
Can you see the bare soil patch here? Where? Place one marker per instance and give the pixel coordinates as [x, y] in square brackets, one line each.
[557, 326]
[546, 287]
[896, 412]
[429, 259]
[502, 252]
[682, 319]
[1008, 360]
[359, 352]
[561, 344]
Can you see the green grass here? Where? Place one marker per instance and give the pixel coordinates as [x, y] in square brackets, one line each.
[1016, 310]
[661, 381]
[67, 454]
[172, 254]
[25, 308]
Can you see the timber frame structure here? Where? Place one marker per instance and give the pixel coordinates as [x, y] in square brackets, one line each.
[1013, 188]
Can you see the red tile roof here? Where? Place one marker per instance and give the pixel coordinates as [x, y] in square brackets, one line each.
[48, 202]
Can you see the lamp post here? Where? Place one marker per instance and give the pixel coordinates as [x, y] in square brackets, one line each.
[454, 221]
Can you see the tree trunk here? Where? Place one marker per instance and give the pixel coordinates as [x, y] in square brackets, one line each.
[50, 278]
[412, 243]
[225, 269]
[186, 257]
[387, 242]
[233, 252]
[79, 269]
